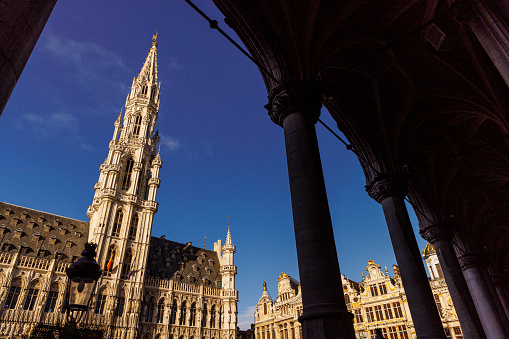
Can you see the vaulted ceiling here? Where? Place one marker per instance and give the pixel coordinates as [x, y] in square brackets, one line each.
[436, 112]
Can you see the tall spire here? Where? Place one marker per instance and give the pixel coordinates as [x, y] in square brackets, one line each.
[146, 83]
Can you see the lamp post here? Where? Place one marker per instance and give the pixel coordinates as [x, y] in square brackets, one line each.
[82, 276]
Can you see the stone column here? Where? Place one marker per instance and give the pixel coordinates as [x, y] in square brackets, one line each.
[440, 236]
[488, 20]
[390, 190]
[295, 105]
[484, 303]
[500, 284]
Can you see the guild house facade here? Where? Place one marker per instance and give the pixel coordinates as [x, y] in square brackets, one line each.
[377, 302]
[151, 287]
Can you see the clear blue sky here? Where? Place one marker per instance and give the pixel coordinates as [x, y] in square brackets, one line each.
[221, 152]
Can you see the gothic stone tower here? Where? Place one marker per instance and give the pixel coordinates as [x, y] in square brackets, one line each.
[124, 203]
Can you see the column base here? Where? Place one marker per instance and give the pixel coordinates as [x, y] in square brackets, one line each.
[329, 323]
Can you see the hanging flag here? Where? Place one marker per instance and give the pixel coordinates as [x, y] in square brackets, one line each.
[131, 266]
[110, 261]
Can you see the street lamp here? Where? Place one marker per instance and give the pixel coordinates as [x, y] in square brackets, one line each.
[82, 276]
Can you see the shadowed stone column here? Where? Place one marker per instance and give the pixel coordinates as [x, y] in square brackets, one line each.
[500, 283]
[390, 190]
[295, 105]
[440, 237]
[486, 308]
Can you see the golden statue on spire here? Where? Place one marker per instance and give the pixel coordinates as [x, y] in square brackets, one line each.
[264, 286]
[154, 39]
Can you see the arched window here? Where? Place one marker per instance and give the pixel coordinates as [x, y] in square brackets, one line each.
[126, 265]
[117, 225]
[119, 304]
[100, 303]
[150, 310]
[137, 125]
[110, 259]
[204, 317]
[51, 300]
[264, 308]
[173, 316]
[144, 90]
[213, 316]
[133, 227]
[31, 296]
[192, 319]
[126, 180]
[160, 311]
[183, 310]
[347, 299]
[14, 291]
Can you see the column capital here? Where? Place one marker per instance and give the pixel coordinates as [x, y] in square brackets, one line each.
[470, 260]
[295, 96]
[436, 232]
[387, 185]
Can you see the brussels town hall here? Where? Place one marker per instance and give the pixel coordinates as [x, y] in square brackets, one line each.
[151, 287]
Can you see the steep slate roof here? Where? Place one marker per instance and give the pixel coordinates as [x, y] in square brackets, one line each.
[45, 235]
[185, 263]
[40, 234]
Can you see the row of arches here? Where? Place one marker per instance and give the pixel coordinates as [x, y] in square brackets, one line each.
[184, 313]
[27, 296]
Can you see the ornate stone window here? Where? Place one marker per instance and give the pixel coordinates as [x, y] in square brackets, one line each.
[403, 334]
[378, 312]
[358, 316]
[382, 288]
[204, 317]
[126, 265]
[119, 305]
[213, 317]
[133, 227]
[126, 180]
[150, 310]
[369, 314]
[192, 318]
[388, 311]
[137, 125]
[173, 316]
[183, 312]
[100, 303]
[374, 290]
[117, 224]
[51, 300]
[160, 311]
[398, 313]
[14, 291]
